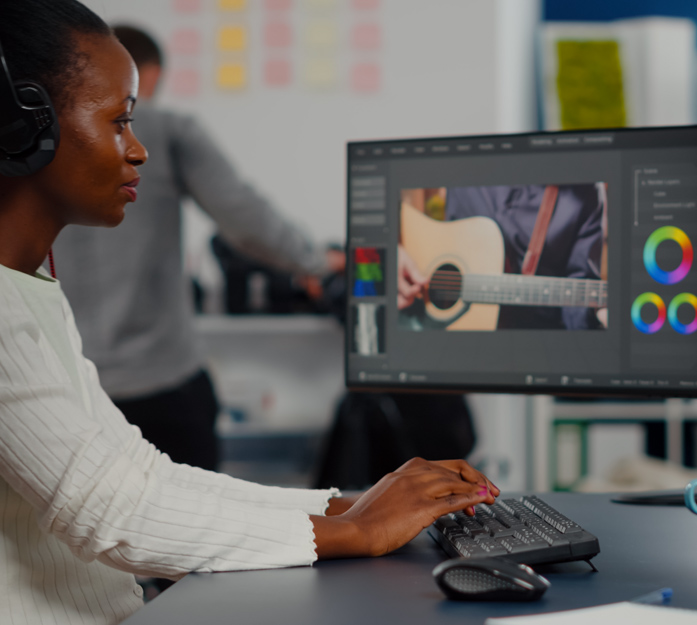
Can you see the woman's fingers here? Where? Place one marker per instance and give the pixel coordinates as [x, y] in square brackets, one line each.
[469, 473]
[463, 469]
[436, 482]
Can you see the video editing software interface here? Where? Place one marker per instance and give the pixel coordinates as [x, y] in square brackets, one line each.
[548, 262]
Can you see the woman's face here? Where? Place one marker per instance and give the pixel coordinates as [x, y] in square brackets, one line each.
[94, 173]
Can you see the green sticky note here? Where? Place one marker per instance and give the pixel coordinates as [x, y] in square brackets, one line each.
[590, 85]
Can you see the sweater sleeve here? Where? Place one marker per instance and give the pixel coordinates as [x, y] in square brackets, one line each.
[245, 218]
[110, 495]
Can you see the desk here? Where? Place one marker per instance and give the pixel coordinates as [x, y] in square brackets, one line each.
[398, 588]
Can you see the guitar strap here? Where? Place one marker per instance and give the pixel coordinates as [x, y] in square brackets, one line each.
[539, 231]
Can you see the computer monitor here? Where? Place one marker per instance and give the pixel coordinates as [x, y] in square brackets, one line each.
[554, 263]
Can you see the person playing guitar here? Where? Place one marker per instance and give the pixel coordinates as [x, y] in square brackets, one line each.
[482, 258]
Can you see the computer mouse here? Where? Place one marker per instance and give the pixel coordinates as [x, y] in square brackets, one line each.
[489, 579]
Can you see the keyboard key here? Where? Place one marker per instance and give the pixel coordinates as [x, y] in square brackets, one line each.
[491, 546]
[482, 510]
[471, 525]
[496, 528]
[470, 549]
[529, 537]
[549, 514]
[514, 545]
[517, 509]
[504, 517]
[547, 533]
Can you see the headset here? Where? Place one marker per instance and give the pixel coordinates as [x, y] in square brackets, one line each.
[29, 131]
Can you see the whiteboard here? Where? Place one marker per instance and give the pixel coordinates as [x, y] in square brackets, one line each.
[354, 69]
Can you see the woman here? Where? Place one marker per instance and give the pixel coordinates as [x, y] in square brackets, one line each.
[85, 502]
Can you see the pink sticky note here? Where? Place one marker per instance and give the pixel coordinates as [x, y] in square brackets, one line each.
[187, 6]
[365, 77]
[278, 34]
[365, 5]
[366, 36]
[277, 73]
[184, 82]
[277, 5]
[185, 41]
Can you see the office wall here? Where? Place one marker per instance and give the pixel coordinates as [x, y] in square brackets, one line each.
[356, 69]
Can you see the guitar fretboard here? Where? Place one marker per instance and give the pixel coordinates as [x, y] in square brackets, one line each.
[517, 290]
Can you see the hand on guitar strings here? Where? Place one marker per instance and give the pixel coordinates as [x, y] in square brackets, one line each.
[410, 282]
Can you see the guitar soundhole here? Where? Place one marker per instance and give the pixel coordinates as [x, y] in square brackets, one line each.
[445, 286]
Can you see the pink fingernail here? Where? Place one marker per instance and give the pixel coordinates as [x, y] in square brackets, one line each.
[483, 491]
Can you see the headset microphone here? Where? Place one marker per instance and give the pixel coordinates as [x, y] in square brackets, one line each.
[29, 132]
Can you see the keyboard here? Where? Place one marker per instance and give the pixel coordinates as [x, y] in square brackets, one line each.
[526, 530]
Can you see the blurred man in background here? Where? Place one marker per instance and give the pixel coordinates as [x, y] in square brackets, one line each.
[131, 299]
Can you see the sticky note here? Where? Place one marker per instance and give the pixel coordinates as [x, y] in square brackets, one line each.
[278, 34]
[185, 41]
[232, 76]
[590, 84]
[187, 6]
[184, 82]
[232, 38]
[321, 73]
[277, 73]
[277, 5]
[232, 5]
[366, 36]
[321, 34]
[365, 77]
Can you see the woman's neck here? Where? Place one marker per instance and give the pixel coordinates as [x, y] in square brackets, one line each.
[27, 229]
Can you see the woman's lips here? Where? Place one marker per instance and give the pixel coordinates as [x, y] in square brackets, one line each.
[130, 188]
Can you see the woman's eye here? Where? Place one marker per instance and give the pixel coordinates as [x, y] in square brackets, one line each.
[123, 122]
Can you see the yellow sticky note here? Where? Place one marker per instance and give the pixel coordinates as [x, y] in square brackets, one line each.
[321, 73]
[590, 84]
[232, 5]
[321, 34]
[232, 76]
[232, 38]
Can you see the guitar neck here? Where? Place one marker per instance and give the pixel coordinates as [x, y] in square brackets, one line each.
[517, 290]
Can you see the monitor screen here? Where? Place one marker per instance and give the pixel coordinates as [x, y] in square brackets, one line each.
[534, 263]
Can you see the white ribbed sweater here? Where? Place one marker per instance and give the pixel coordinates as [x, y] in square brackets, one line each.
[86, 502]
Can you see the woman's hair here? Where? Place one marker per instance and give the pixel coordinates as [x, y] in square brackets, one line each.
[38, 40]
[140, 45]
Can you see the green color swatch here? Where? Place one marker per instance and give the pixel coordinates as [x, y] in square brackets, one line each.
[369, 272]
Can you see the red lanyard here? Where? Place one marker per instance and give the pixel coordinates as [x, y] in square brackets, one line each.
[50, 263]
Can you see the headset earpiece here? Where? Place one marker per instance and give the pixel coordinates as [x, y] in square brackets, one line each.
[29, 132]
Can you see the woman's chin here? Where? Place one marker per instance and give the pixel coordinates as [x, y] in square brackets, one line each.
[115, 221]
[109, 219]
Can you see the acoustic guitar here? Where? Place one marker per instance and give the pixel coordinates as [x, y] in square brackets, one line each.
[464, 261]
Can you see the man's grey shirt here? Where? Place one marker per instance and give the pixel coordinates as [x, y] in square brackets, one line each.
[131, 300]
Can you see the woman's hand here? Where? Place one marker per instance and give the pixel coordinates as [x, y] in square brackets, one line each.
[410, 282]
[399, 506]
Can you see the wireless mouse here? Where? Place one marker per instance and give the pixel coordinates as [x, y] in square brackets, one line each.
[489, 579]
